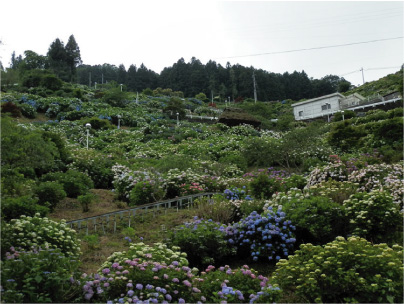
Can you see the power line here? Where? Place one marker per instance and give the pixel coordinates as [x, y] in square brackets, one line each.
[310, 49]
[371, 69]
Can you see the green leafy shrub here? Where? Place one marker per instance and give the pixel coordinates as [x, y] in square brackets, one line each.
[38, 231]
[294, 181]
[38, 276]
[97, 123]
[346, 115]
[74, 182]
[14, 207]
[235, 159]
[51, 193]
[27, 110]
[86, 200]
[317, 219]
[343, 271]
[203, 241]
[263, 187]
[144, 192]
[97, 166]
[248, 206]
[390, 130]
[374, 216]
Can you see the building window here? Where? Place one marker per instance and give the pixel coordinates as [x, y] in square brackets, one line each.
[300, 113]
[327, 106]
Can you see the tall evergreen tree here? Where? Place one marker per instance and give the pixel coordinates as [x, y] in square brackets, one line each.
[58, 62]
[73, 57]
[121, 79]
[15, 61]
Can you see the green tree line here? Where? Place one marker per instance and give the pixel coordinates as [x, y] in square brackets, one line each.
[191, 78]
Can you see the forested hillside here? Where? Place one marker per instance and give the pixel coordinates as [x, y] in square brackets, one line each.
[193, 77]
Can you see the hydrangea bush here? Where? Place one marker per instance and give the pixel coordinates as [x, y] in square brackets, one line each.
[38, 275]
[159, 252]
[37, 231]
[374, 216]
[204, 241]
[344, 271]
[263, 237]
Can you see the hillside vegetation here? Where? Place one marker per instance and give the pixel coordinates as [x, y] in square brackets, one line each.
[303, 212]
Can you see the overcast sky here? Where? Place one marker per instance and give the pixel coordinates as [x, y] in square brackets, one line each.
[269, 35]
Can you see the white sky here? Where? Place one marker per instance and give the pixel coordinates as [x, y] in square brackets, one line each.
[159, 32]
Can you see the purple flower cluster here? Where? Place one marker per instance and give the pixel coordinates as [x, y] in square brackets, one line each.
[267, 236]
[160, 282]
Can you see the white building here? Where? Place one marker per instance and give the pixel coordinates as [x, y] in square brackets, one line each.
[328, 105]
[323, 106]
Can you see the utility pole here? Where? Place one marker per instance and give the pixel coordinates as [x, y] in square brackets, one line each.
[363, 77]
[255, 88]
[89, 81]
[102, 78]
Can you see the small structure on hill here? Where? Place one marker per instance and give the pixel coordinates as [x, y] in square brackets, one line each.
[234, 117]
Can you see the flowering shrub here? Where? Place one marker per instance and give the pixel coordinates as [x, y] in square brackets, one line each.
[134, 280]
[36, 231]
[373, 176]
[374, 216]
[268, 236]
[175, 178]
[125, 180]
[343, 271]
[337, 191]
[38, 276]
[192, 188]
[244, 130]
[237, 194]
[204, 241]
[240, 285]
[159, 252]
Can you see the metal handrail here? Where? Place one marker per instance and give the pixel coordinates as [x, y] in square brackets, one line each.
[104, 219]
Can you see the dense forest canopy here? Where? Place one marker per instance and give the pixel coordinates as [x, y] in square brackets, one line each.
[191, 78]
